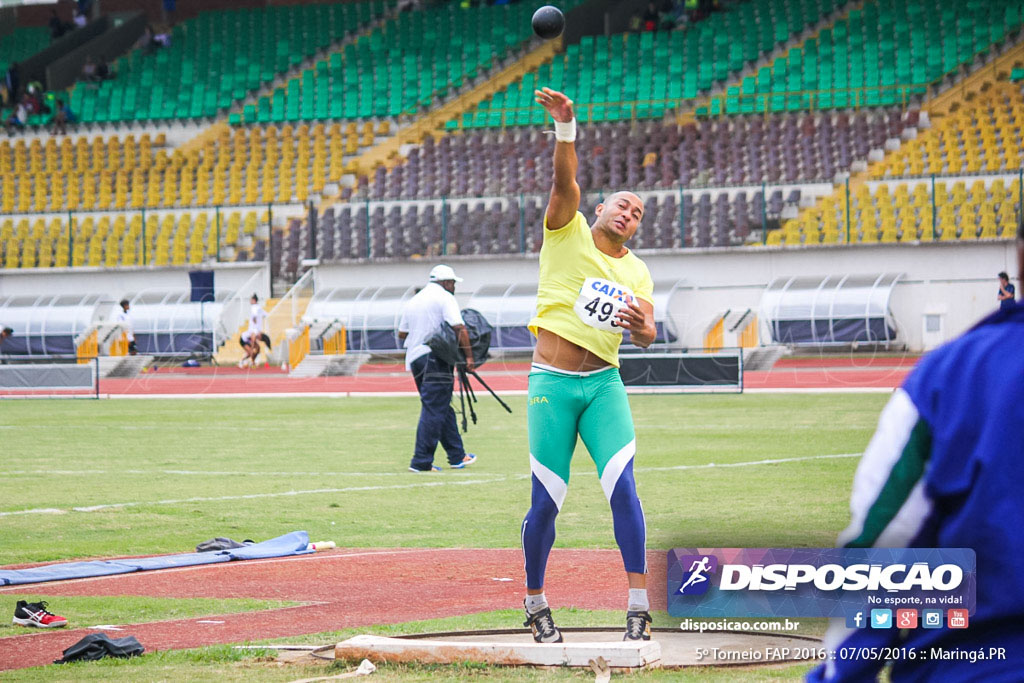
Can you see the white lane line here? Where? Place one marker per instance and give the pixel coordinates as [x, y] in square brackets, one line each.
[464, 482]
[250, 496]
[234, 473]
[747, 463]
[202, 473]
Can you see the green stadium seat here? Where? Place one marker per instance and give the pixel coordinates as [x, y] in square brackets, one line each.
[219, 56]
[649, 72]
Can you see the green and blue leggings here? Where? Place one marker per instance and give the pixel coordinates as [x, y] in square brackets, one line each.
[562, 405]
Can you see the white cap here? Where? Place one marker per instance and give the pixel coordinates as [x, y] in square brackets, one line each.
[442, 273]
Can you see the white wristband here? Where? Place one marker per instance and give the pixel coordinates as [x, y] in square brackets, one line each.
[565, 132]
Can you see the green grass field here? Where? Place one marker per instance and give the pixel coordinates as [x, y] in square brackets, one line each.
[119, 477]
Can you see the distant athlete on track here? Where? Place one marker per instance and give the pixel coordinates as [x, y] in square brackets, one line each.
[591, 289]
[251, 338]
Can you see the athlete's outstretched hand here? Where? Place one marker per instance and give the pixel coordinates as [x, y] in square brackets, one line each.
[557, 104]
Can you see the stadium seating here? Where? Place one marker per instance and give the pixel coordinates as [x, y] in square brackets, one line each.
[218, 58]
[734, 151]
[985, 208]
[981, 137]
[248, 166]
[881, 54]
[22, 42]
[128, 239]
[629, 75]
[408, 63]
[510, 224]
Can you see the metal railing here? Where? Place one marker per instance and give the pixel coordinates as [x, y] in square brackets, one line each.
[288, 311]
[235, 311]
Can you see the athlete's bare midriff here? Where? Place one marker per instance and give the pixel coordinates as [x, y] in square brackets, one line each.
[563, 354]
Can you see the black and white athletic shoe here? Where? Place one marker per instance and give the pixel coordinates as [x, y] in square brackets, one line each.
[543, 626]
[638, 626]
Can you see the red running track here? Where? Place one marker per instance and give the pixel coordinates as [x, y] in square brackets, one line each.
[339, 589]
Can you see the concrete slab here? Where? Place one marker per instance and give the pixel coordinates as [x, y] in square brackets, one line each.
[677, 649]
[624, 655]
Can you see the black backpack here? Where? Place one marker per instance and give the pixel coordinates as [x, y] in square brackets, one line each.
[100, 645]
[445, 343]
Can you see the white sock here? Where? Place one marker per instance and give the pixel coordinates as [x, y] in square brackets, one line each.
[535, 603]
[638, 600]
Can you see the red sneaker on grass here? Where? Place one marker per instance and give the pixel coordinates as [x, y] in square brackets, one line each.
[36, 614]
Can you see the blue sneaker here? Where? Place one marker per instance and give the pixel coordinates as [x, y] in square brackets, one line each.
[466, 462]
[433, 468]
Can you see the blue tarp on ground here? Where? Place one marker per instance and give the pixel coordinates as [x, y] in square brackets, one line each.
[295, 543]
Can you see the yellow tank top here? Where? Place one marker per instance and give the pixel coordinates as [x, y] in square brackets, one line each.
[568, 258]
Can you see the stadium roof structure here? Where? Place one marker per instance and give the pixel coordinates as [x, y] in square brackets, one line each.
[166, 322]
[830, 310]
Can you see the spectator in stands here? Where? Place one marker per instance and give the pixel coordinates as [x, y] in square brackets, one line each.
[62, 117]
[1006, 292]
[80, 19]
[163, 37]
[103, 71]
[422, 317]
[34, 99]
[12, 81]
[636, 22]
[650, 17]
[18, 118]
[125, 318]
[945, 470]
[666, 16]
[89, 70]
[57, 27]
[147, 41]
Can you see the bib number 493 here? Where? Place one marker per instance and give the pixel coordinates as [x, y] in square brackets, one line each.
[599, 301]
[602, 310]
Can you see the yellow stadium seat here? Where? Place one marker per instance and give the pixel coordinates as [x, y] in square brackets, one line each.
[28, 253]
[869, 236]
[45, 254]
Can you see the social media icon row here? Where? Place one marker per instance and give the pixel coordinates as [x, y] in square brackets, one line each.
[907, 618]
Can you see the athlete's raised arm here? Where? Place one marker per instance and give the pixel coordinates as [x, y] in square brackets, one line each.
[565, 192]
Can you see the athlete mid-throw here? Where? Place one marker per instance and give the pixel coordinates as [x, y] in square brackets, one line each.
[591, 289]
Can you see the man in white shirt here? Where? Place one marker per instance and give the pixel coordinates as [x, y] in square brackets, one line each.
[125, 318]
[421, 319]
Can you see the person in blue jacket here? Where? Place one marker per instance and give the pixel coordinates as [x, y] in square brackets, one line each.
[945, 469]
